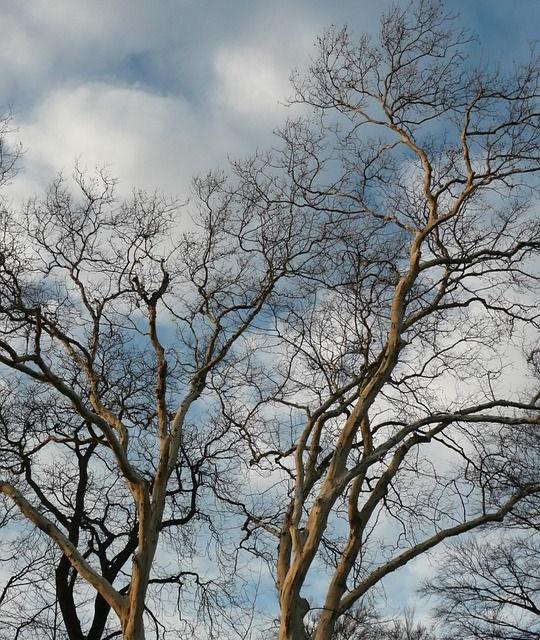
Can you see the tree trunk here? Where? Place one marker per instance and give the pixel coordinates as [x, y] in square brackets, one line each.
[133, 627]
[325, 626]
[292, 621]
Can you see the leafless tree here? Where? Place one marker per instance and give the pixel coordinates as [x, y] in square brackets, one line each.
[45, 445]
[490, 589]
[363, 623]
[116, 330]
[321, 349]
[393, 369]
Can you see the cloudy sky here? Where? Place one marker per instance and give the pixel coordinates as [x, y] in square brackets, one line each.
[158, 91]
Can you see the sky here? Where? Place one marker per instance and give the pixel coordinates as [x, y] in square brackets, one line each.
[160, 91]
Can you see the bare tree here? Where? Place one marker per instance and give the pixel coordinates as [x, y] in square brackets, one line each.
[363, 623]
[490, 589]
[116, 331]
[321, 349]
[46, 446]
[392, 370]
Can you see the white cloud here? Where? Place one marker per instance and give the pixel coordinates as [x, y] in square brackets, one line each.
[155, 95]
[250, 82]
[146, 140]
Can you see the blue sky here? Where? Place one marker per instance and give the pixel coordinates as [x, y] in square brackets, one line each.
[160, 91]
